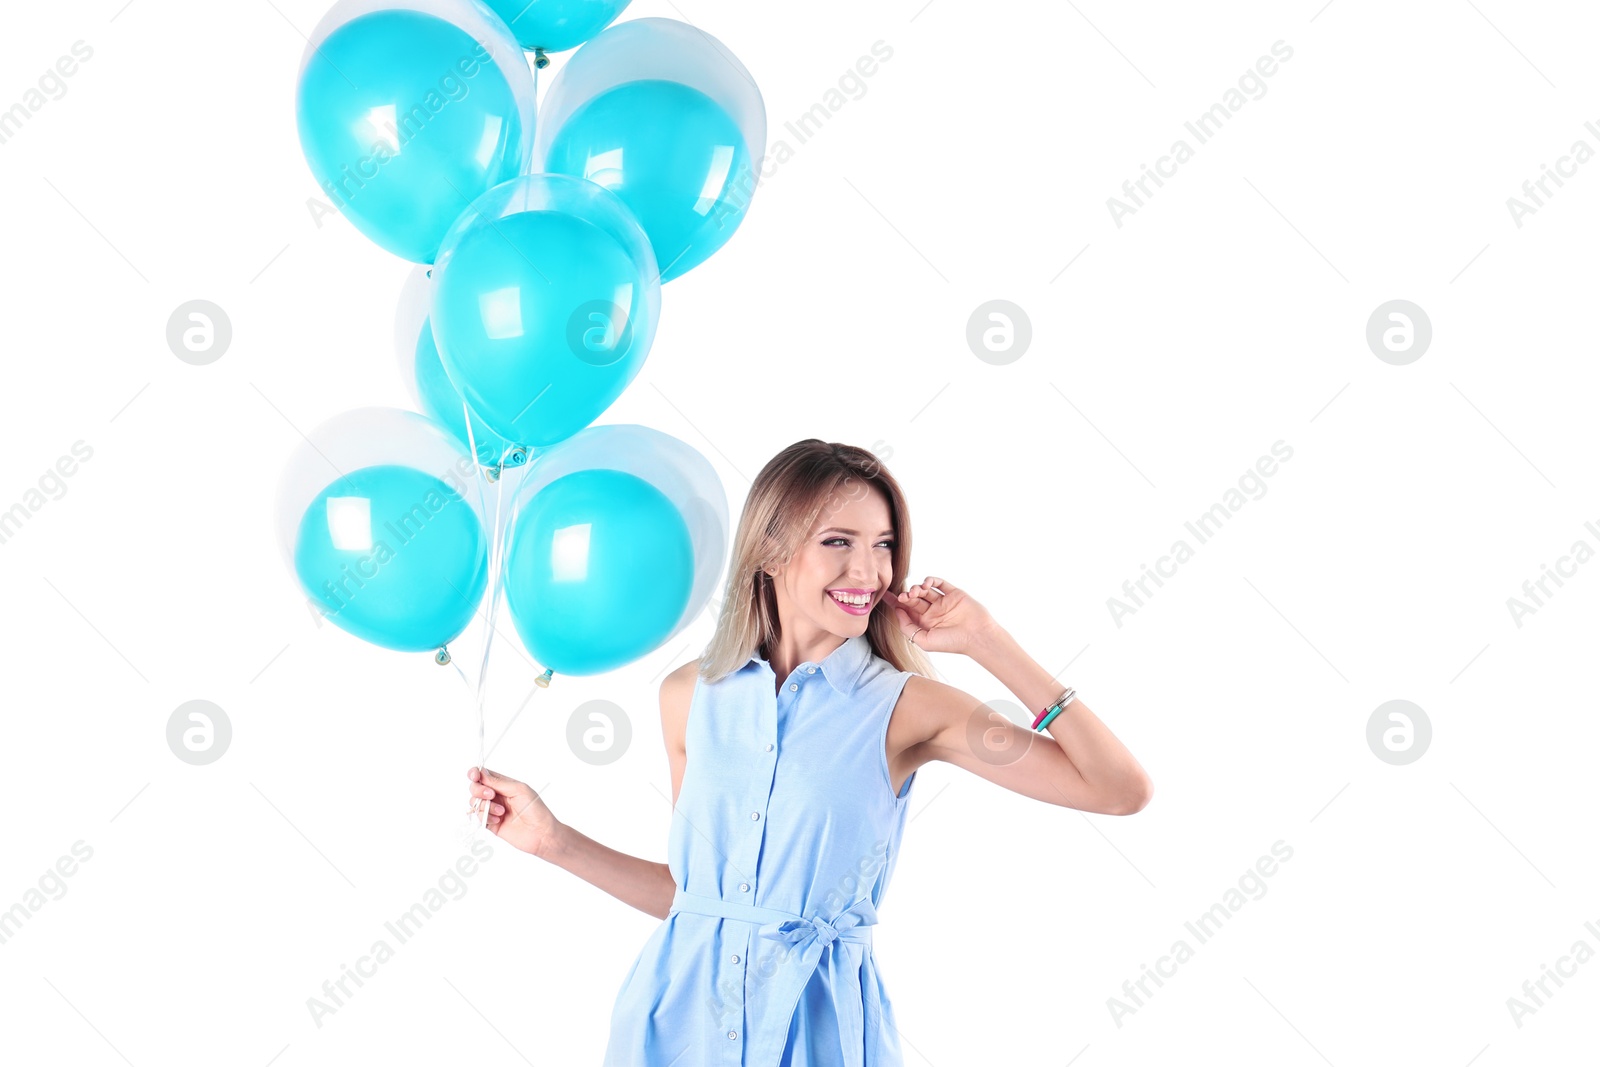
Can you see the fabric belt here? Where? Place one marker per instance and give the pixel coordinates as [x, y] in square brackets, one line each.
[810, 937]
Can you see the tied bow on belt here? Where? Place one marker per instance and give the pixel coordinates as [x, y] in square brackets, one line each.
[773, 996]
[797, 931]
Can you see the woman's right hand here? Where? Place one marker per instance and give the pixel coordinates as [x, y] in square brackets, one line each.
[516, 813]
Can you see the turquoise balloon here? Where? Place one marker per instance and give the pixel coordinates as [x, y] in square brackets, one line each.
[396, 557]
[543, 317]
[556, 25]
[441, 403]
[405, 118]
[598, 571]
[672, 154]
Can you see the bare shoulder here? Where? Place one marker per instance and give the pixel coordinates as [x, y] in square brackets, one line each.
[677, 692]
[680, 682]
[927, 714]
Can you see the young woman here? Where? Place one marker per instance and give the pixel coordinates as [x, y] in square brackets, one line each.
[792, 746]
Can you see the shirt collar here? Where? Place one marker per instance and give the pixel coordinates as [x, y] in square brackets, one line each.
[842, 667]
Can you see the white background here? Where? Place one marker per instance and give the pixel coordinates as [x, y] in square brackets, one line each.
[1227, 314]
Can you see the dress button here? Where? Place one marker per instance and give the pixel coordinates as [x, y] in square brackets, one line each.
[769, 748]
[735, 957]
[754, 815]
[733, 1035]
[811, 670]
[744, 887]
[793, 687]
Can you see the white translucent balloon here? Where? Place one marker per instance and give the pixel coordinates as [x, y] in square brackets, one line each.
[682, 474]
[410, 316]
[368, 437]
[654, 49]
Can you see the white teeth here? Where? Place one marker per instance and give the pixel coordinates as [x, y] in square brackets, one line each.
[859, 600]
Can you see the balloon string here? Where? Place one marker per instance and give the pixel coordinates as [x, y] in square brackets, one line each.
[495, 563]
[494, 536]
[496, 550]
[472, 446]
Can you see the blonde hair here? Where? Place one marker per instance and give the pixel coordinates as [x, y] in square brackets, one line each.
[786, 499]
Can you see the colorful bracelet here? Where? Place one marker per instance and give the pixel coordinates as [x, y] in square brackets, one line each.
[1048, 715]
[1037, 719]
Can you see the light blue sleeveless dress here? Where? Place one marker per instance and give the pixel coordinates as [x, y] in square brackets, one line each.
[784, 837]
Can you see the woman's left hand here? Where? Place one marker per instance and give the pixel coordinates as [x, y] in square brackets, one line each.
[937, 617]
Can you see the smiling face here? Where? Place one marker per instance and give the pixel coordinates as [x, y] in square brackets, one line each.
[848, 556]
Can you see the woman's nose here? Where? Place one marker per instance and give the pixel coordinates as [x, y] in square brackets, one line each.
[862, 568]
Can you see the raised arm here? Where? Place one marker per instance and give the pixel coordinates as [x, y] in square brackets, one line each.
[1075, 762]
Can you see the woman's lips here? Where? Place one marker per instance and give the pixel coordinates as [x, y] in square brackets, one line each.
[853, 609]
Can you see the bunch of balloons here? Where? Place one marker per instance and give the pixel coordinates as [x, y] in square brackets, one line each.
[543, 233]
